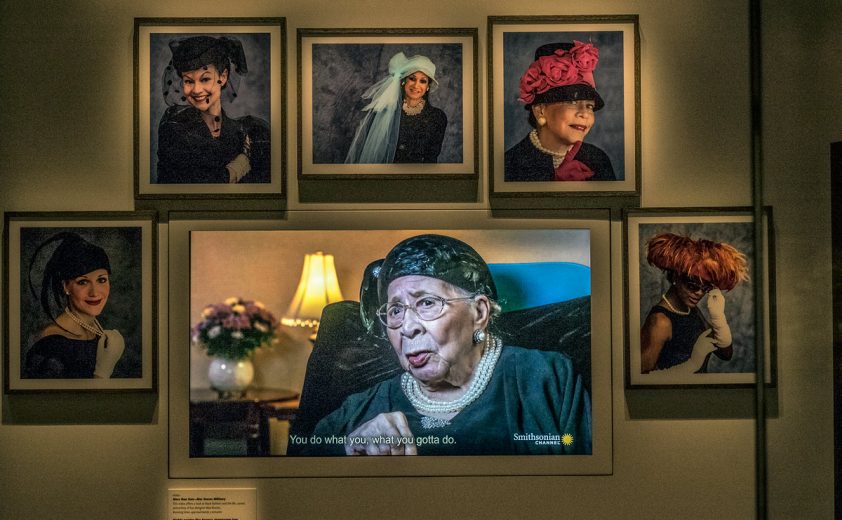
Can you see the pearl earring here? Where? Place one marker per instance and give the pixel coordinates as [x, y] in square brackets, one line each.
[542, 121]
[479, 336]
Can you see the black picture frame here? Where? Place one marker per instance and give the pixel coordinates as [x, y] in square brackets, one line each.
[254, 103]
[644, 285]
[512, 41]
[337, 66]
[129, 239]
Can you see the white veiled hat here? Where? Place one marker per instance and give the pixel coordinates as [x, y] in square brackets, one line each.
[401, 66]
[377, 136]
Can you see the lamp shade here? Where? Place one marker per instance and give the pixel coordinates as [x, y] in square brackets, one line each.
[318, 287]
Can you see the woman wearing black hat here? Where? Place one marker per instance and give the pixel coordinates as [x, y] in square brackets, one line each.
[462, 391]
[560, 94]
[197, 141]
[74, 290]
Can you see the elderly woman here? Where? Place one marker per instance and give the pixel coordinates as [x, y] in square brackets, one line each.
[400, 124]
[676, 335]
[197, 141]
[559, 93]
[462, 392]
[77, 278]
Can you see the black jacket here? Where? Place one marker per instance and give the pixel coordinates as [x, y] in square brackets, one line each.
[421, 136]
[524, 162]
[187, 153]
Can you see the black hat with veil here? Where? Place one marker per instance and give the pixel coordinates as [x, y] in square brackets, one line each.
[196, 52]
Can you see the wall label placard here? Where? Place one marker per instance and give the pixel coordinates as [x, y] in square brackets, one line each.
[212, 504]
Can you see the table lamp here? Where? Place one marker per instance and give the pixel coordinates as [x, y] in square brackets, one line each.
[318, 287]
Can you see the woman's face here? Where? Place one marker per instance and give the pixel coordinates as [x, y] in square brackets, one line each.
[203, 87]
[439, 353]
[87, 294]
[415, 86]
[567, 122]
[691, 290]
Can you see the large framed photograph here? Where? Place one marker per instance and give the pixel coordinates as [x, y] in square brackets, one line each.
[543, 403]
[564, 105]
[691, 297]
[79, 306]
[210, 107]
[389, 103]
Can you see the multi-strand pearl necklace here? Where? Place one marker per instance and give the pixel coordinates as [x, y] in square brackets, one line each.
[95, 329]
[413, 110]
[482, 375]
[557, 156]
[673, 309]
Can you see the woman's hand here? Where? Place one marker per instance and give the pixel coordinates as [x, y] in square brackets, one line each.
[716, 310]
[386, 434]
[238, 168]
[109, 348]
[703, 346]
[701, 349]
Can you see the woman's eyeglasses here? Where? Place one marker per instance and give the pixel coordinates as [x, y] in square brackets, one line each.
[697, 285]
[427, 308]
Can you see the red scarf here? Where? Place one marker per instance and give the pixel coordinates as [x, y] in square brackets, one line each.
[572, 170]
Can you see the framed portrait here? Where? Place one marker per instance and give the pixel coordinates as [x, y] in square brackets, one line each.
[79, 306]
[691, 285]
[209, 114]
[564, 105]
[387, 103]
[567, 322]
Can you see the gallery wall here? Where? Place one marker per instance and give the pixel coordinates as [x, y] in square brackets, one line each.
[66, 143]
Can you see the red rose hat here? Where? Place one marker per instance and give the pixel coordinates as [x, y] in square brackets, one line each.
[561, 72]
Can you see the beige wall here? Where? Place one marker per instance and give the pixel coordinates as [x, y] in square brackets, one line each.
[66, 144]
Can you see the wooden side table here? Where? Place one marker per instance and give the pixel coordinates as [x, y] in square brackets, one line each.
[243, 418]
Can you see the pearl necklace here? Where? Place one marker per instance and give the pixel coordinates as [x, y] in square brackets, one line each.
[557, 156]
[95, 329]
[673, 309]
[482, 375]
[413, 110]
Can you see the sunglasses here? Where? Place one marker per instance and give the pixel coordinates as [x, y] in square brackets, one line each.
[696, 285]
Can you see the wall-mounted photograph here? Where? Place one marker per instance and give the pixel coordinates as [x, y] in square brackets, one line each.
[209, 107]
[564, 105]
[387, 103]
[79, 301]
[691, 286]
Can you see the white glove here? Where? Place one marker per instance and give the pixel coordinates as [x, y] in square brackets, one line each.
[716, 311]
[703, 346]
[109, 349]
[238, 168]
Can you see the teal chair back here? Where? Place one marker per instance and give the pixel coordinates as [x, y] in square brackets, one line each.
[526, 285]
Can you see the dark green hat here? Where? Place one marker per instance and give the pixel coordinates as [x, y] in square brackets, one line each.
[437, 256]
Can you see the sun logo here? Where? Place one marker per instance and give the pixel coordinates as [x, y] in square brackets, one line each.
[567, 439]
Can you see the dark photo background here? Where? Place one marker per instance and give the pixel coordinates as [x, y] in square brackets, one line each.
[739, 302]
[253, 89]
[124, 308]
[608, 130]
[342, 72]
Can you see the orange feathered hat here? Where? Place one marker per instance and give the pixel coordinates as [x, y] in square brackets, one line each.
[717, 263]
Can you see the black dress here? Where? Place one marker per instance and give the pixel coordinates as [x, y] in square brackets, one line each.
[524, 162]
[421, 136]
[686, 329]
[187, 153]
[58, 357]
